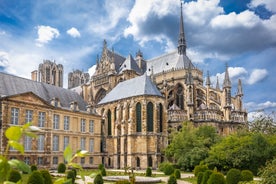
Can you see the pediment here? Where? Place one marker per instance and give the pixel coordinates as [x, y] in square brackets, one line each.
[29, 98]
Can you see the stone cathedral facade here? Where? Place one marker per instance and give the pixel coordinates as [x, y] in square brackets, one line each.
[140, 100]
[122, 114]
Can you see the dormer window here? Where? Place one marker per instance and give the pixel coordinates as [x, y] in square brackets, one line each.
[74, 106]
[55, 102]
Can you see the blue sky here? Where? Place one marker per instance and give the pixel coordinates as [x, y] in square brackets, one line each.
[240, 33]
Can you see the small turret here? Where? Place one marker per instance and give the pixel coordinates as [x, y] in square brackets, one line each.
[217, 85]
[239, 91]
[208, 81]
[226, 82]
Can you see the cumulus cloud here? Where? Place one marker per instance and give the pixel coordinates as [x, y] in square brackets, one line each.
[253, 106]
[269, 4]
[234, 74]
[257, 75]
[46, 34]
[73, 32]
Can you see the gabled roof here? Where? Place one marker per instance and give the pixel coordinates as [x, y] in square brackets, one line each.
[137, 86]
[118, 59]
[130, 64]
[169, 61]
[12, 85]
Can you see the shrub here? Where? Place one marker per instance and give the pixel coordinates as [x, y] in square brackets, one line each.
[35, 178]
[233, 176]
[33, 168]
[177, 174]
[200, 168]
[122, 182]
[163, 165]
[103, 172]
[71, 175]
[61, 168]
[168, 169]
[246, 175]
[100, 166]
[75, 172]
[47, 177]
[14, 176]
[172, 180]
[216, 178]
[199, 177]
[148, 171]
[206, 176]
[98, 179]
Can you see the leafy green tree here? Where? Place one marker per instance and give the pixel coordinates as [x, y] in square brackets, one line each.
[268, 173]
[191, 145]
[263, 123]
[241, 151]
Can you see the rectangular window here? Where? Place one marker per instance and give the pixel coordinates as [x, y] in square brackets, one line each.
[41, 119]
[56, 121]
[40, 142]
[55, 160]
[40, 161]
[27, 143]
[65, 142]
[91, 160]
[83, 160]
[29, 116]
[14, 115]
[91, 126]
[27, 160]
[82, 125]
[82, 143]
[66, 122]
[55, 143]
[91, 145]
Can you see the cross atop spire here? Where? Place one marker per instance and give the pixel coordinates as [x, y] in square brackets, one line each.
[181, 39]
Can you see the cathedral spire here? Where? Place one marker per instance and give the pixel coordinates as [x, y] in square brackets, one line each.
[226, 82]
[217, 85]
[208, 81]
[239, 92]
[181, 39]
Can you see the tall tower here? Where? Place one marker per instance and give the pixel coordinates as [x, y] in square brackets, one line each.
[181, 39]
[51, 73]
[227, 94]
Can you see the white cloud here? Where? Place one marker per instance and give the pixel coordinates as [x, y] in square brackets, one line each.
[114, 12]
[46, 34]
[253, 106]
[4, 59]
[269, 4]
[73, 32]
[244, 19]
[257, 75]
[234, 73]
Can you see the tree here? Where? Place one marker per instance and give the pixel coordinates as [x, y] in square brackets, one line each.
[242, 151]
[268, 173]
[191, 145]
[263, 123]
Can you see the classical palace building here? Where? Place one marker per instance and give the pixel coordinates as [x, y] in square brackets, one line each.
[123, 113]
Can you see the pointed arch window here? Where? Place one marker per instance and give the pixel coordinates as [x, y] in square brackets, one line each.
[150, 117]
[109, 122]
[160, 117]
[179, 96]
[138, 117]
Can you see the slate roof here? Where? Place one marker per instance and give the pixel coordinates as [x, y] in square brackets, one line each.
[167, 62]
[118, 59]
[12, 85]
[137, 86]
[130, 64]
